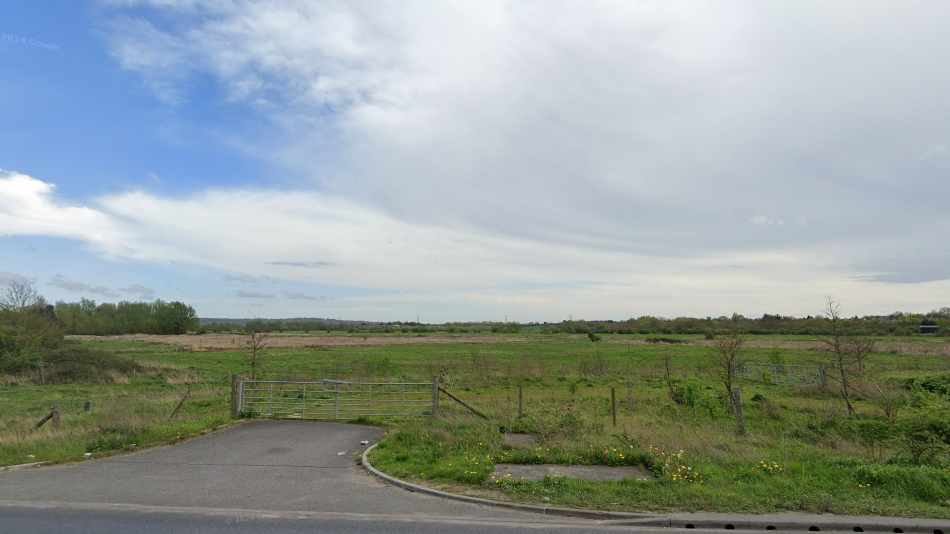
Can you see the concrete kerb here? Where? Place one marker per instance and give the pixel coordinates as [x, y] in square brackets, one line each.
[696, 521]
[544, 510]
[21, 466]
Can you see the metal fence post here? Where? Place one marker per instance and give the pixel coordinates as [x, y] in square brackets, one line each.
[234, 393]
[240, 399]
[336, 402]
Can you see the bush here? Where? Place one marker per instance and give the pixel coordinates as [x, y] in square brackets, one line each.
[924, 430]
[18, 362]
[939, 384]
[71, 365]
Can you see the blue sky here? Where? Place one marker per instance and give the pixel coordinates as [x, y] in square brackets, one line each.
[387, 160]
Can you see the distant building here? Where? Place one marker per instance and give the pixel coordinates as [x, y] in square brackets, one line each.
[928, 329]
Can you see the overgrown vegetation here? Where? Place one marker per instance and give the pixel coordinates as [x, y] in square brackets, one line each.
[68, 365]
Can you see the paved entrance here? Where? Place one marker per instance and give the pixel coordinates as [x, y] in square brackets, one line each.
[260, 465]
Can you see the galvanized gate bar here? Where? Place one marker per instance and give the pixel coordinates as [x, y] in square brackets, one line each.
[333, 399]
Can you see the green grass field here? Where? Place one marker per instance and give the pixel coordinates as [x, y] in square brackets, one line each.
[798, 449]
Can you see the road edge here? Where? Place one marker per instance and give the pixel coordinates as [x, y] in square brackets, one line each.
[647, 519]
[694, 521]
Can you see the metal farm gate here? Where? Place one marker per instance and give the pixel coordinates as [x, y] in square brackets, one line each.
[780, 374]
[333, 399]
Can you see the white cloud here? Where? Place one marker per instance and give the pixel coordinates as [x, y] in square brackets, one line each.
[404, 264]
[7, 278]
[253, 295]
[141, 291]
[243, 278]
[766, 220]
[27, 206]
[566, 123]
[487, 149]
[153, 178]
[76, 286]
[296, 295]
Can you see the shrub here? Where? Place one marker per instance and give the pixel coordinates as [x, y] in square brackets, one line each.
[939, 384]
[71, 364]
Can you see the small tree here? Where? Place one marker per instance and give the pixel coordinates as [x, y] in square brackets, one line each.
[18, 296]
[256, 344]
[727, 346]
[175, 318]
[859, 348]
[28, 327]
[667, 360]
[847, 352]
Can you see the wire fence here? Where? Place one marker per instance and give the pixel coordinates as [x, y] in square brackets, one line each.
[781, 374]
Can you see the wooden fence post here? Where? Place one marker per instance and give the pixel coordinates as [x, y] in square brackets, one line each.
[435, 396]
[613, 404]
[56, 410]
[182, 401]
[740, 417]
[520, 399]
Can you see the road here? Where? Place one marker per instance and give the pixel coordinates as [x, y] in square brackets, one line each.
[263, 476]
[295, 476]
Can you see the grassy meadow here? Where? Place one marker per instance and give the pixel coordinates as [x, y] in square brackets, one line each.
[798, 449]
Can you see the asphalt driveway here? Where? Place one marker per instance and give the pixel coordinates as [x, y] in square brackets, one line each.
[261, 465]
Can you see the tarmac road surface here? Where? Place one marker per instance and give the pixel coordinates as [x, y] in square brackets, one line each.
[278, 473]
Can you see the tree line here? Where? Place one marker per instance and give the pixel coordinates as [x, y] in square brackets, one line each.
[157, 317]
[26, 313]
[895, 324]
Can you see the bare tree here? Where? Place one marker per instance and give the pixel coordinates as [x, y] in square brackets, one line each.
[859, 348]
[256, 344]
[18, 296]
[667, 358]
[727, 347]
[847, 351]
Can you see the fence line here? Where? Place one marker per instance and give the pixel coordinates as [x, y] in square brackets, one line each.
[781, 374]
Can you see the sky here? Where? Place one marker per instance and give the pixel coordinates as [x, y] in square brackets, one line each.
[491, 160]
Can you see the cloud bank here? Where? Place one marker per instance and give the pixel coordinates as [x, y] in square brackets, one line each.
[615, 157]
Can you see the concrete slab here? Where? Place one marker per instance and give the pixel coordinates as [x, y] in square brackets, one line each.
[599, 473]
